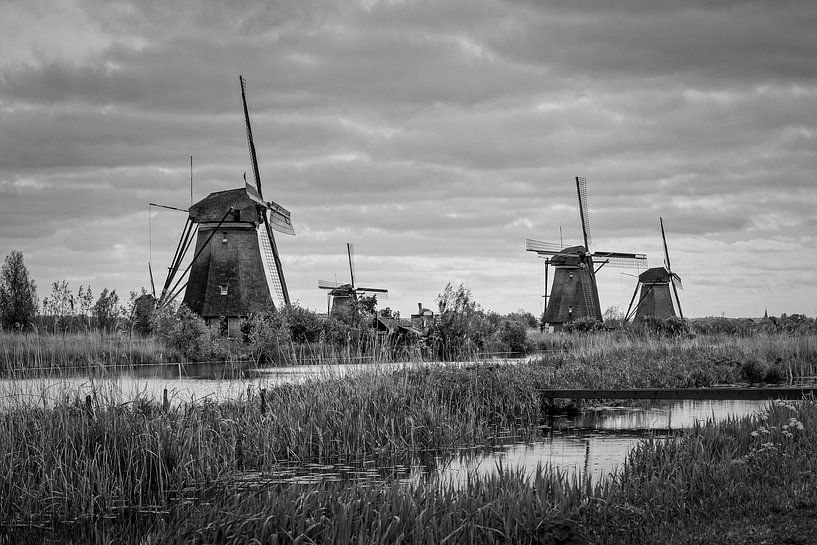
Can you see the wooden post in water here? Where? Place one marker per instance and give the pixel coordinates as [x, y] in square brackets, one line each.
[88, 405]
[165, 401]
[263, 401]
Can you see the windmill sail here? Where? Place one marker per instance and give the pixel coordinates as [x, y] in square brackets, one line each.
[542, 248]
[279, 219]
[271, 271]
[621, 260]
[581, 188]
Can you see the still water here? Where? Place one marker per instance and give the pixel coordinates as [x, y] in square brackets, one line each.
[595, 442]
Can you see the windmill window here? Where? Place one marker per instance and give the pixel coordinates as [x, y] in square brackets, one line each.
[224, 237]
[223, 288]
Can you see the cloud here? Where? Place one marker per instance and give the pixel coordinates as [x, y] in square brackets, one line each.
[437, 136]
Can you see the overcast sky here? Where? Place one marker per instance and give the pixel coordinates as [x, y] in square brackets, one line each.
[436, 136]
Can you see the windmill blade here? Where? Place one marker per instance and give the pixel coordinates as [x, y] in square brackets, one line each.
[327, 284]
[350, 251]
[541, 247]
[373, 290]
[250, 142]
[666, 251]
[676, 281]
[621, 260]
[377, 292]
[279, 219]
[273, 271]
[581, 189]
[252, 192]
[152, 285]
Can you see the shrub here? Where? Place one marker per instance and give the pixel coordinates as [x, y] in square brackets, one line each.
[585, 324]
[183, 330]
[513, 335]
[753, 371]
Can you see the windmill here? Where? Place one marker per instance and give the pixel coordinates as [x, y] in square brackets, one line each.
[236, 268]
[340, 297]
[574, 293]
[656, 299]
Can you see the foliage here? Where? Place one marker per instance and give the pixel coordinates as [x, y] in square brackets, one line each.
[268, 336]
[585, 324]
[140, 312]
[461, 328]
[183, 330]
[65, 312]
[18, 293]
[523, 317]
[107, 311]
[513, 335]
[664, 327]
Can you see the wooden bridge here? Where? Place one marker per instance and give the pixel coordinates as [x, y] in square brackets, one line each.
[725, 392]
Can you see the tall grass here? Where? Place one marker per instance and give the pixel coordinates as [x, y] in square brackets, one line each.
[74, 351]
[75, 463]
[753, 468]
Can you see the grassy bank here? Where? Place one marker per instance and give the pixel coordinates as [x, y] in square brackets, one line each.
[750, 480]
[769, 357]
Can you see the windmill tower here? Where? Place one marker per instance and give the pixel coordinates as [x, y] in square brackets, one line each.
[574, 293]
[656, 298]
[342, 297]
[236, 269]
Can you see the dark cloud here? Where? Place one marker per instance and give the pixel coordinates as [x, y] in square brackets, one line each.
[437, 136]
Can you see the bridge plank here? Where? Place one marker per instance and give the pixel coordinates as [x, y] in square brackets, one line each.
[727, 392]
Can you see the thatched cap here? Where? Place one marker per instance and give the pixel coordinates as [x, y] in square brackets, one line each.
[213, 207]
[657, 275]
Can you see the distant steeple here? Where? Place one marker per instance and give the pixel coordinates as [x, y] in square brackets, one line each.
[766, 313]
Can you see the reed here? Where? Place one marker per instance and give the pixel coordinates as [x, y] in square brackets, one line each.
[129, 468]
[73, 352]
[668, 491]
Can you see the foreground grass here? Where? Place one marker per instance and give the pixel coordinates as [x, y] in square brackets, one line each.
[750, 480]
[81, 458]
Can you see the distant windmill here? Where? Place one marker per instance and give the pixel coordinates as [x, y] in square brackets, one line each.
[343, 296]
[575, 293]
[655, 299]
[236, 268]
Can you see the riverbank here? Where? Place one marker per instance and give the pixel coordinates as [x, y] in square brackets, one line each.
[751, 480]
[769, 357]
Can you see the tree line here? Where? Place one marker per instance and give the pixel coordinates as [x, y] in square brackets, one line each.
[63, 310]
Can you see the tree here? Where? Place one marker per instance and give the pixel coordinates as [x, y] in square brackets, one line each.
[18, 293]
[60, 305]
[462, 327]
[106, 310]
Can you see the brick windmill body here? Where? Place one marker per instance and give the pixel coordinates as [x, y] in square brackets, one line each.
[574, 293]
[343, 297]
[236, 269]
[657, 285]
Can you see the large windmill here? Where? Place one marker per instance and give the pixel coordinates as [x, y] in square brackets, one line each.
[656, 299]
[236, 269]
[574, 293]
[340, 297]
